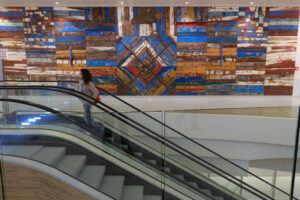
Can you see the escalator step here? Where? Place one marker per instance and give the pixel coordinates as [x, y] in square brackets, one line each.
[139, 154]
[113, 186]
[193, 184]
[26, 151]
[180, 177]
[206, 191]
[152, 161]
[152, 197]
[50, 155]
[7, 149]
[133, 192]
[167, 170]
[92, 175]
[219, 198]
[109, 139]
[72, 164]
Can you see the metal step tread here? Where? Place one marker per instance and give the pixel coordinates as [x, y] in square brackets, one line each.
[113, 186]
[26, 151]
[133, 192]
[50, 155]
[152, 197]
[92, 175]
[72, 164]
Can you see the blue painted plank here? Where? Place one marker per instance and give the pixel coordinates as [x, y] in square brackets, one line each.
[230, 28]
[191, 34]
[100, 28]
[65, 40]
[249, 89]
[69, 26]
[96, 63]
[12, 14]
[283, 27]
[283, 12]
[11, 28]
[100, 33]
[191, 29]
[217, 39]
[69, 13]
[250, 54]
[192, 39]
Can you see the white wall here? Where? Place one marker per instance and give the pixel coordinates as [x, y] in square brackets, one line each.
[268, 130]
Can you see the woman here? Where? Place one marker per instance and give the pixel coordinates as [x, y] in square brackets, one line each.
[87, 87]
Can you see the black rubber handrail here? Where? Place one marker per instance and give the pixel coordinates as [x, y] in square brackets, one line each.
[91, 100]
[183, 135]
[81, 125]
[57, 113]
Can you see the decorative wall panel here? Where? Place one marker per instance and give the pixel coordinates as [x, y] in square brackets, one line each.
[251, 52]
[70, 39]
[40, 43]
[281, 50]
[101, 55]
[154, 80]
[148, 62]
[12, 39]
[146, 21]
[221, 50]
[191, 51]
[156, 50]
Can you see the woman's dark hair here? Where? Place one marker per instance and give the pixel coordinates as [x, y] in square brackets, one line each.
[86, 76]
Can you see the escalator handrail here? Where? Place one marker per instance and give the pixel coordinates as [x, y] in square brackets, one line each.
[57, 113]
[181, 134]
[60, 114]
[86, 98]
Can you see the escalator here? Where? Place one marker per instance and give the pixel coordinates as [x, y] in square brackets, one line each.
[61, 147]
[144, 143]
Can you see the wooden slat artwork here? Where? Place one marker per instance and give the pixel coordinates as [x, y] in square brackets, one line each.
[155, 80]
[156, 50]
[146, 65]
[40, 43]
[191, 29]
[251, 52]
[70, 38]
[222, 32]
[106, 78]
[146, 21]
[12, 39]
[281, 50]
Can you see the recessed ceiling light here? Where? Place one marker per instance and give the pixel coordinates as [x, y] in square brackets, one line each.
[186, 3]
[122, 3]
[56, 3]
[251, 3]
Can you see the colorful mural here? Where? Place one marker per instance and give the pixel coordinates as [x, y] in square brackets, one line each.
[12, 38]
[281, 50]
[40, 43]
[155, 50]
[251, 51]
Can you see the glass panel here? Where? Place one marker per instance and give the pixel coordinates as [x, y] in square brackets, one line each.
[297, 176]
[254, 139]
[190, 155]
[32, 136]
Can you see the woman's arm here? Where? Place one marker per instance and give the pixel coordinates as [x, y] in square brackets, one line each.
[94, 90]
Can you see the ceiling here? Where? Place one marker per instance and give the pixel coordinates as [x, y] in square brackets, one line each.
[100, 3]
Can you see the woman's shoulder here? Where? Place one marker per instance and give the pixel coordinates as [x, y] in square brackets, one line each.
[91, 83]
